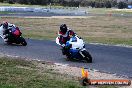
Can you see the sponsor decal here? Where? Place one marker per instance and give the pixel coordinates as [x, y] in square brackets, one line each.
[87, 81]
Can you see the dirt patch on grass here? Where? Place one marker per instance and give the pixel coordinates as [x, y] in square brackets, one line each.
[101, 29]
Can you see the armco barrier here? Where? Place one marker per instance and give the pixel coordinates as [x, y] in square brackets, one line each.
[39, 9]
[22, 9]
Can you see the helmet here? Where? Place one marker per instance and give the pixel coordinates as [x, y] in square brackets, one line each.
[5, 25]
[63, 28]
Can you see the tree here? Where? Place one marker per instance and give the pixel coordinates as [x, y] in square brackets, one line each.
[122, 5]
[108, 4]
[21, 1]
[114, 3]
[11, 1]
[1, 0]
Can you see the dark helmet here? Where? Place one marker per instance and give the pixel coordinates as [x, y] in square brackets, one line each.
[5, 25]
[63, 28]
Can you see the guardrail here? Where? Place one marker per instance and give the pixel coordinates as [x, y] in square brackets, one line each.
[22, 9]
[46, 9]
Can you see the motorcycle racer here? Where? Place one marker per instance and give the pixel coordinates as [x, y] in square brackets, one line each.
[72, 46]
[10, 30]
[65, 34]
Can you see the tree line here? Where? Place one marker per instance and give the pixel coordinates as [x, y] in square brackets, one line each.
[73, 3]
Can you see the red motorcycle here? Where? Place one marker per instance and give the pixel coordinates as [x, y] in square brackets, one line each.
[14, 36]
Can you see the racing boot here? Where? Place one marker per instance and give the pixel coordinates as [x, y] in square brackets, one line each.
[6, 38]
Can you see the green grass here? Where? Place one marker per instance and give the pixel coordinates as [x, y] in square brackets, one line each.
[19, 5]
[108, 11]
[4, 12]
[17, 73]
[98, 10]
[111, 41]
[122, 12]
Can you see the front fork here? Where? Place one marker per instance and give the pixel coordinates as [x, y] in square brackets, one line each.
[82, 53]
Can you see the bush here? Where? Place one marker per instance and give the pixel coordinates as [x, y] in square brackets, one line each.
[108, 4]
[122, 5]
[1, 0]
[11, 2]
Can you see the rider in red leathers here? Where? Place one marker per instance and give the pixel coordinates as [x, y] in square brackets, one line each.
[65, 34]
[10, 30]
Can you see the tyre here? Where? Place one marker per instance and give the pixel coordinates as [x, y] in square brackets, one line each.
[68, 57]
[8, 43]
[23, 41]
[87, 57]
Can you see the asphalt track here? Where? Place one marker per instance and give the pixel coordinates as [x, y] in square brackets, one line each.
[111, 59]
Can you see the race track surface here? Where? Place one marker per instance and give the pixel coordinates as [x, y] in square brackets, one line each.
[112, 59]
[50, 14]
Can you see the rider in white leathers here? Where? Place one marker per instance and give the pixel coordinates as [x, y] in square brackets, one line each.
[8, 27]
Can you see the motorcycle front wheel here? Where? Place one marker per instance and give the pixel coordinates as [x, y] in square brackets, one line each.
[87, 57]
[23, 41]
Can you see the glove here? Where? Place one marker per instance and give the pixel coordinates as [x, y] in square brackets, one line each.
[63, 45]
[5, 36]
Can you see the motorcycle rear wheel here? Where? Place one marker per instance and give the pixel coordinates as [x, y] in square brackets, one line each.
[23, 41]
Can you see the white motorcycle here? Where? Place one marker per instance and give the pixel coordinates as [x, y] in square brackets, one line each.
[12, 40]
[75, 49]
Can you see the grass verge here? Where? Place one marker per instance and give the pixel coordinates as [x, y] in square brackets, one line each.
[101, 29]
[16, 73]
[5, 12]
[19, 5]
[109, 11]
